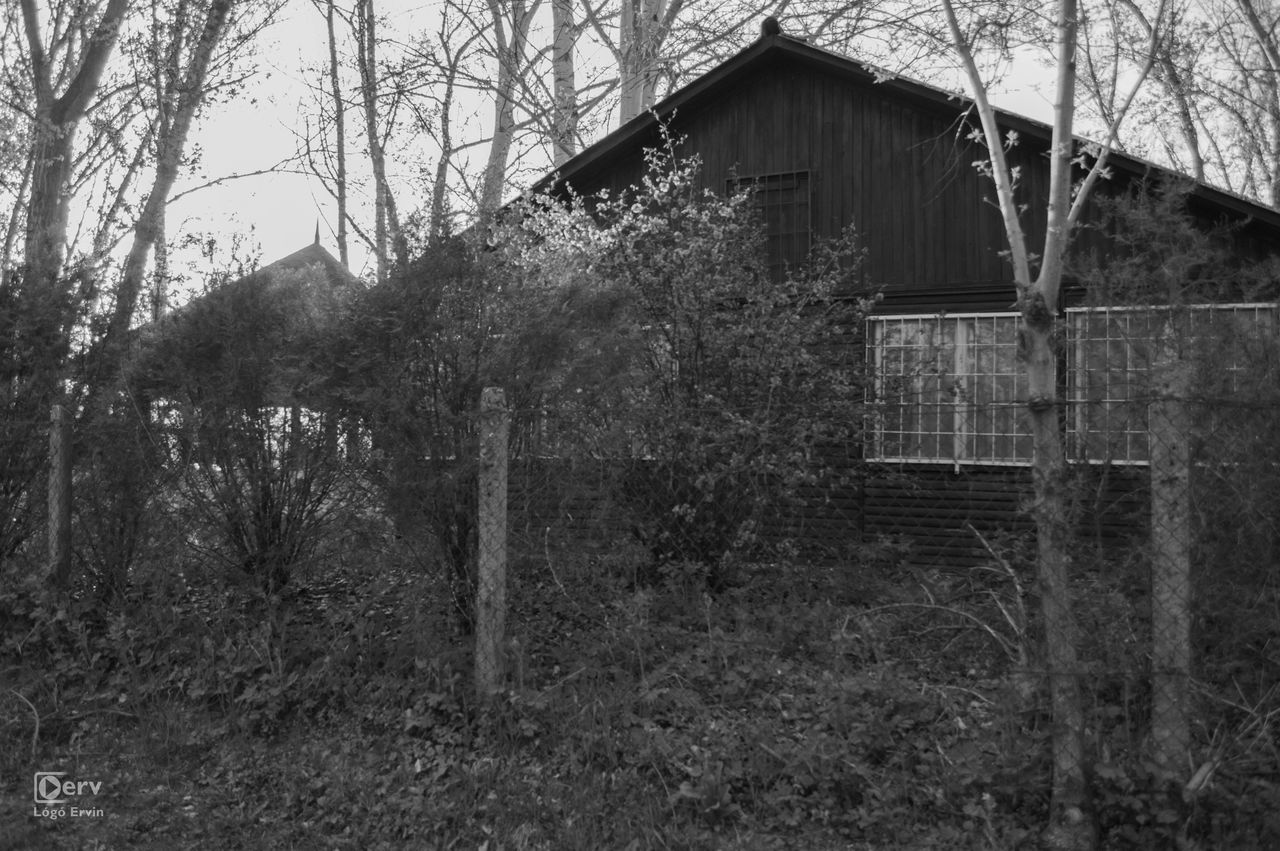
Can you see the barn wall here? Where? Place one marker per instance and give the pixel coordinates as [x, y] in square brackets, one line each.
[558, 505]
[933, 508]
[901, 173]
[900, 168]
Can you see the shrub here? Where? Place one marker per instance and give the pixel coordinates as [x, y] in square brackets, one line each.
[728, 393]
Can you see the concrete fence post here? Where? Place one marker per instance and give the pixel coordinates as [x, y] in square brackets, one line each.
[59, 496]
[491, 575]
[1171, 548]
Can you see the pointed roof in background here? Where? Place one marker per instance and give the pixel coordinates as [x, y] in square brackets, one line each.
[312, 255]
[269, 305]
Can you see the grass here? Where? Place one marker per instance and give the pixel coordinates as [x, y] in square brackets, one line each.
[807, 708]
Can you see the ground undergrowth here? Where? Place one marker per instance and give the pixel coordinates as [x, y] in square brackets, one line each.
[861, 706]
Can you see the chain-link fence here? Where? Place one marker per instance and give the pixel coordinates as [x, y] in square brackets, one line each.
[1168, 550]
[1165, 607]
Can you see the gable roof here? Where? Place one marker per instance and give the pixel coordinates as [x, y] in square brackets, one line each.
[312, 267]
[335, 274]
[780, 50]
[258, 314]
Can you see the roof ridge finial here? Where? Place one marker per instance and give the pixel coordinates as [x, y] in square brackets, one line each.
[317, 230]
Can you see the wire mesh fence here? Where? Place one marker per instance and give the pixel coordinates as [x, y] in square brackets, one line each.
[1171, 556]
[1171, 559]
[1207, 484]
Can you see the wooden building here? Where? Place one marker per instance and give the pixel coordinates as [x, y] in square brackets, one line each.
[210, 341]
[826, 143]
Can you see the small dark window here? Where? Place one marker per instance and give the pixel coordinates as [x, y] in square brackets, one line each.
[782, 201]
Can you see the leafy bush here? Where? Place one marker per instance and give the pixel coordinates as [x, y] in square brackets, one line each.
[255, 456]
[408, 361]
[728, 391]
[33, 354]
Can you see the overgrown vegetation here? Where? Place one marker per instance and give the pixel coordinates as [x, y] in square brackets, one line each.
[725, 394]
[801, 707]
[263, 647]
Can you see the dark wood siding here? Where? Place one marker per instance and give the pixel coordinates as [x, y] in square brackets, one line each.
[934, 508]
[897, 162]
[902, 175]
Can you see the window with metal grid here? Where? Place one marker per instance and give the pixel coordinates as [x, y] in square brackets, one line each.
[782, 201]
[1111, 354]
[947, 388]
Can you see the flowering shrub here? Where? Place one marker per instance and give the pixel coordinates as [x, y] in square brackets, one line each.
[727, 394]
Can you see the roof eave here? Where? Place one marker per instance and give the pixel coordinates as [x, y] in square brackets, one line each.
[644, 124]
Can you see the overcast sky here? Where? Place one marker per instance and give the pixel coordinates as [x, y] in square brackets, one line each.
[278, 213]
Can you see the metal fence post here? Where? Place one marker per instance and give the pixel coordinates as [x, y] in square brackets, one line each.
[491, 578]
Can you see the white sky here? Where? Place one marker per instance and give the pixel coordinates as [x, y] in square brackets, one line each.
[277, 213]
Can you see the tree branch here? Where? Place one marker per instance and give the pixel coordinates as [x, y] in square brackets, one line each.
[75, 100]
[995, 149]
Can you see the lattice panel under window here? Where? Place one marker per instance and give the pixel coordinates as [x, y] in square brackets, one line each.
[947, 388]
[1112, 354]
[782, 201]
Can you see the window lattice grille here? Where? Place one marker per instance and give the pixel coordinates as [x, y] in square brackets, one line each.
[1111, 354]
[782, 201]
[947, 389]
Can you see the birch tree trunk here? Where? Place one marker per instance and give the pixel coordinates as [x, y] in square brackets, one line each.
[160, 274]
[455, 41]
[565, 90]
[440, 182]
[510, 47]
[641, 33]
[387, 231]
[340, 131]
[1071, 824]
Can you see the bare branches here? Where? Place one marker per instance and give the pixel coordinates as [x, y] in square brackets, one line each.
[1098, 168]
[171, 141]
[36, 56]
[75, 100]
[1000, 171]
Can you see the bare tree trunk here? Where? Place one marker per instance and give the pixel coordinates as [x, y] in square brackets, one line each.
[1070, 819]
[639, 41]
[169, 149]
[1273, 154]
[565, 123]
[387, 230]
[365, 57]
[509, 48]
[440, 183]
[340, 124]
[1170, 562]
[166, 92]
[1176, 85]
[1071, 825]
[1269, 47]
[56, 121]
[160, 274]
